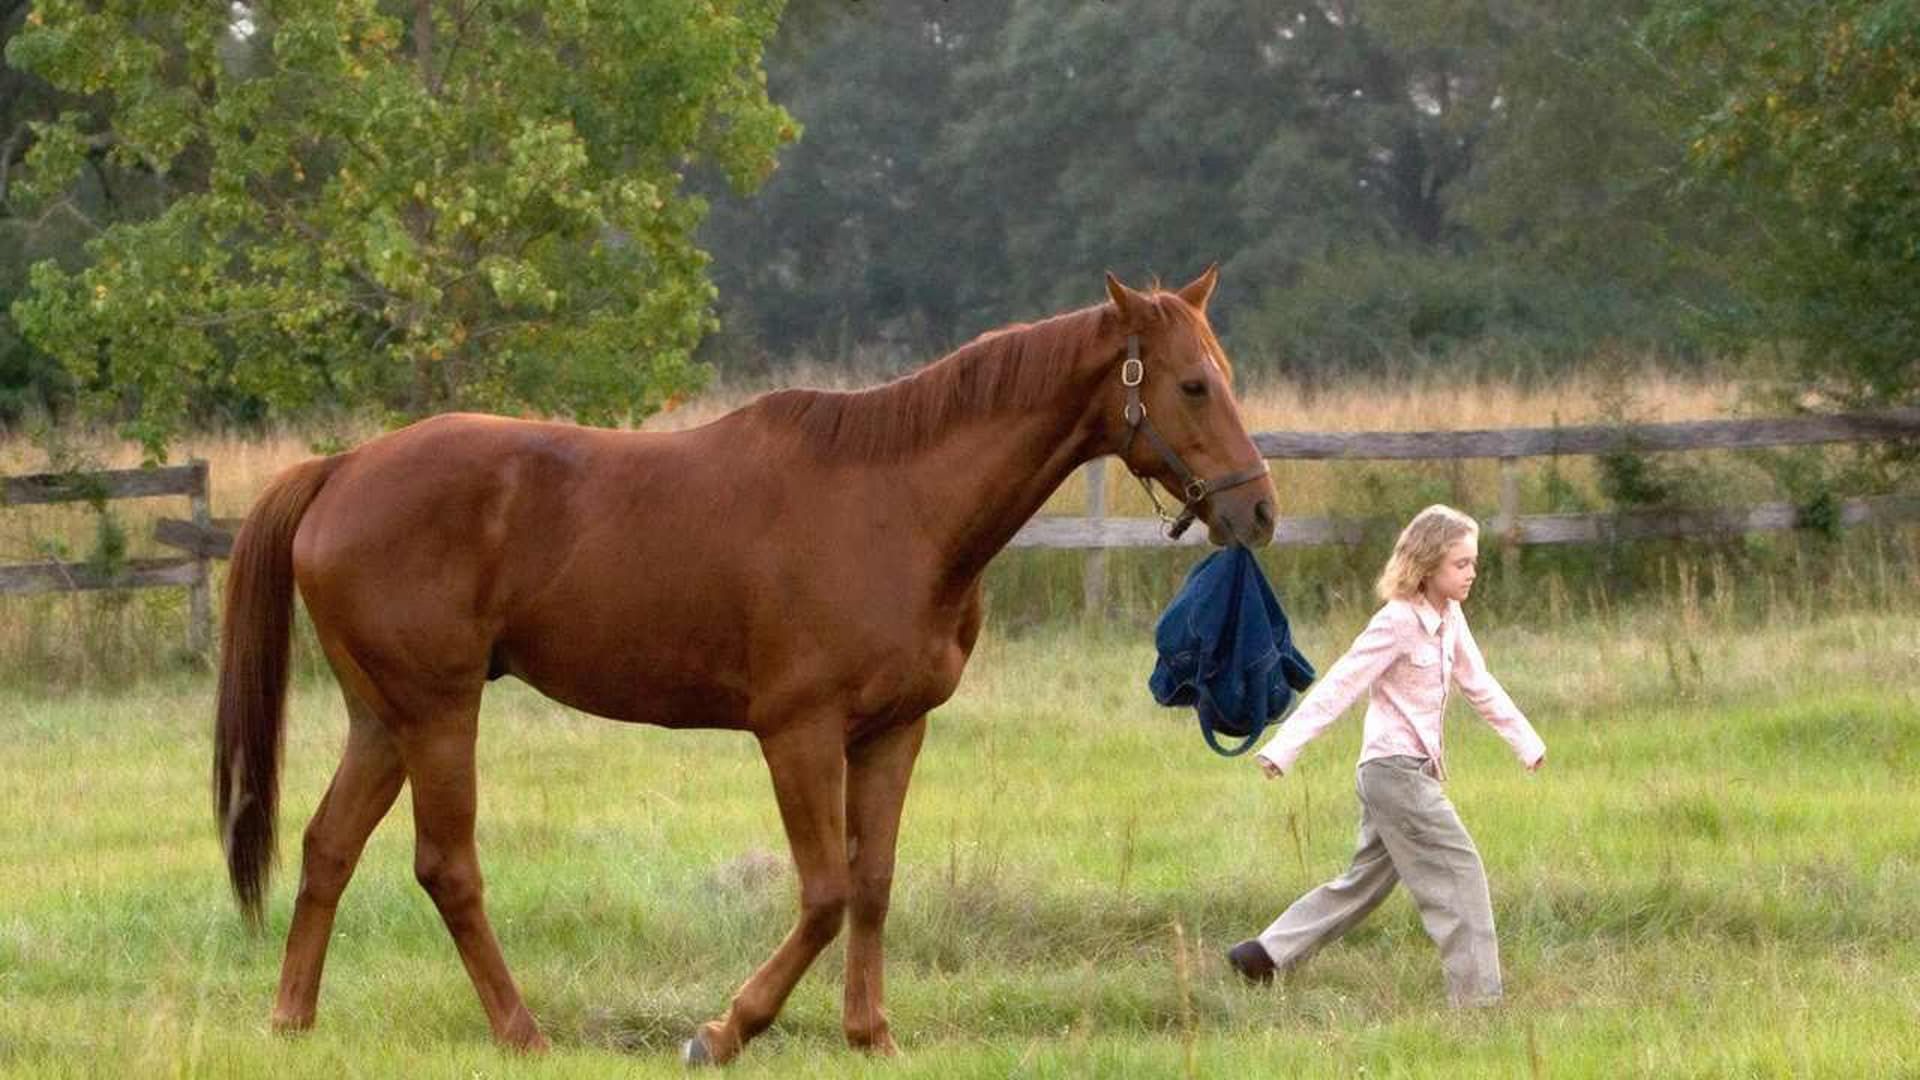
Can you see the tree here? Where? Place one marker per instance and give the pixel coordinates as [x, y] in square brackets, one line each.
[417, 205]
[1816, 136]
[861, 237]
[1546, 212]
[1377, 178]
[30, 380]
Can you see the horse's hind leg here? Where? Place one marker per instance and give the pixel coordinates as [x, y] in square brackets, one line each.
[363, 789]
[439, 759]
[809, 765]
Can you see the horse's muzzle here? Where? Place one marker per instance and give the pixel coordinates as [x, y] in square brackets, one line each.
[1247, 522]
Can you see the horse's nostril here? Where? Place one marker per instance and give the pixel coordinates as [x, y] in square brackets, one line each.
[1263, 514]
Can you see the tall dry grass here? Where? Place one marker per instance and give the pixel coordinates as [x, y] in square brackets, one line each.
[243, 463]
[88, 638]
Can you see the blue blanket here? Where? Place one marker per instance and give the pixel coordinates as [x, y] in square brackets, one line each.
[1225, 649]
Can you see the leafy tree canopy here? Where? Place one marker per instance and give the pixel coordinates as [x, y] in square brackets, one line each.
[1815, 134]
[435, 204]
[1379, 179]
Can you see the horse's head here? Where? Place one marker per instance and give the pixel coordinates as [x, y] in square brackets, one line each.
[1172, 415]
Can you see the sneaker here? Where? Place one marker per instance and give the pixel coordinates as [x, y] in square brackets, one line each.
[1250, 959]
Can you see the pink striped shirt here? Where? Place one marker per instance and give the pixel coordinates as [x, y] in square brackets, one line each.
[1408, 656]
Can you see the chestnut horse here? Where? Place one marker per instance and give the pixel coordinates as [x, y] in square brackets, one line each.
[806, 569]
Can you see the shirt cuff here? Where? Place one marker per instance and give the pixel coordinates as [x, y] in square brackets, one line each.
[1532, 751]
[1276, 757]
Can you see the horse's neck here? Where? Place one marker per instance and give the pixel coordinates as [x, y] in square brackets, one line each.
[977, 487]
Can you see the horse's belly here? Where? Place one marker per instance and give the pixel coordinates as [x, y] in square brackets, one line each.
[637, 686]
[631, 650]
[637, 702]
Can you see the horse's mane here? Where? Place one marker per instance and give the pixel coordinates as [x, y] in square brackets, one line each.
[1012, 368]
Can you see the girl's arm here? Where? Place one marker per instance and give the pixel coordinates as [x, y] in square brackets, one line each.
[1375, 650]
[1490, 700]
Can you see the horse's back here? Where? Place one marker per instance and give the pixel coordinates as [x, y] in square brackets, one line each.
[583, 560]
[429, 494]
[670, 579]
[422, 539]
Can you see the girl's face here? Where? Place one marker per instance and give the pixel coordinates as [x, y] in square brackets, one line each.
[1453, 578]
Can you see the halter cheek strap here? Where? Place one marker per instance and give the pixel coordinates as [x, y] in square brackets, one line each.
[1193, 490]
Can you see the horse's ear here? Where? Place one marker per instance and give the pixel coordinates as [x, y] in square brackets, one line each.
[1200, 289]
[1133, 306]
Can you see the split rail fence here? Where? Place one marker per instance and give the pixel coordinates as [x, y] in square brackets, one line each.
[202, 538]
[1097, 533]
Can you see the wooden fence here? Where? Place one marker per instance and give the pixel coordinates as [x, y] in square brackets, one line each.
[1096, 532]
[201, 538]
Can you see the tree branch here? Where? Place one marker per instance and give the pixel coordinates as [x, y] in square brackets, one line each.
[15, 149]
[423, 45]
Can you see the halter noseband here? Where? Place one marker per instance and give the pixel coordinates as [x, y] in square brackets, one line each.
[1194, 490]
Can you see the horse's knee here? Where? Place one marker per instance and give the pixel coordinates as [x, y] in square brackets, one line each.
[871, 896]
[453, 883]
[823, 909]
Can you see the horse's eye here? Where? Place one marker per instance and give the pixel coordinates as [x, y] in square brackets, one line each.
[1194, 388]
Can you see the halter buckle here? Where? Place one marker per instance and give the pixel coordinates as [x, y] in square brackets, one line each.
[1132, 371]
[1196, 490]
[1134, 412]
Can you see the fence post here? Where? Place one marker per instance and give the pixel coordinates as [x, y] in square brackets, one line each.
[199, 594]
[1508, 523]
[1093, 585]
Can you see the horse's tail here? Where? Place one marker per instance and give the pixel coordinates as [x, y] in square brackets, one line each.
[254, 646]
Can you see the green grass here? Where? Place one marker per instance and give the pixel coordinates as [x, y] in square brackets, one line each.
[1714, 876]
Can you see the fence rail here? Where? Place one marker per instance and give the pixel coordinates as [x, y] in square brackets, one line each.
[203, 538]
[1526, 529]
[1096, 533]
[1871, 426]
[193, 573]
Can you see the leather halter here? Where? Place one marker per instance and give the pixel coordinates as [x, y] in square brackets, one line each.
[1194, 490]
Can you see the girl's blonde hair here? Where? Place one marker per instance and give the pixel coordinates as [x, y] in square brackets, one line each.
[1422, 544]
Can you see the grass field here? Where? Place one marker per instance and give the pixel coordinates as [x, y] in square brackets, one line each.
[1715, 875]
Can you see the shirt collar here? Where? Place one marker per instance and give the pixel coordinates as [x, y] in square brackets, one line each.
[1430, 619]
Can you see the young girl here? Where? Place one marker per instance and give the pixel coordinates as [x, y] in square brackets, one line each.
[1409, 654]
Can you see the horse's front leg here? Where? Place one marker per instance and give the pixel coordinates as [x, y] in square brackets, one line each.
[808, 763]
[878, 769]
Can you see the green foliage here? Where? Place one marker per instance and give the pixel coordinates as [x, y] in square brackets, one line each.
[863, 236]
[1380, 310]
[32, 384]
[109, 554]
[418, 207]
[1378, 180]
[1631, 480]
[1814, 135]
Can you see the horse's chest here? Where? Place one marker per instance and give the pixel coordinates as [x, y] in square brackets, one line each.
[907, 682]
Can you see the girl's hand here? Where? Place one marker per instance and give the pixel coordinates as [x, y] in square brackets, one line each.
[1268, 767]
[1535, 767]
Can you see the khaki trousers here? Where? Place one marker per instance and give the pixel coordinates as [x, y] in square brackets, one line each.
[1408, 832]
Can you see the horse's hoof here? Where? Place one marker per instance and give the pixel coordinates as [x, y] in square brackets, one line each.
[695, 1053]
[712, 1044]
[522, 1034]
[534, 1043]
